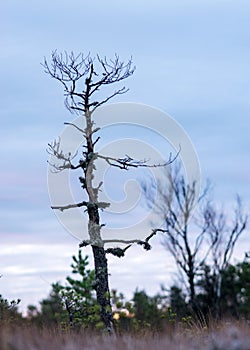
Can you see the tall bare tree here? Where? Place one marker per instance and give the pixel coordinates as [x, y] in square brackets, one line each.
[82, 78]
[194, 239]
[223, 233]
[177, 201]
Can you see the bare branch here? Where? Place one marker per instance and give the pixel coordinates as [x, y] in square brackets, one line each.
[101, 205]
[121, 91]
[70, 206]
[68, 69]
[128, 162]
[223, 237]
[65, 159]
[75, 126]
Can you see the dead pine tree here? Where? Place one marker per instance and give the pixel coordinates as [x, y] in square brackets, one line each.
[82, 77]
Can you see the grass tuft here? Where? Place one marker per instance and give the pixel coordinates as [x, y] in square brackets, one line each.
[221, 336]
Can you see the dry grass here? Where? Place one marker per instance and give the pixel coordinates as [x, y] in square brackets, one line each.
[226, 336]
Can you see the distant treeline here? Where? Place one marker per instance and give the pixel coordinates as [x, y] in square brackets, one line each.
[73, 305]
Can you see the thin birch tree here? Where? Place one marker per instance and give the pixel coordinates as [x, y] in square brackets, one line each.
[177, 202]
[223, 233]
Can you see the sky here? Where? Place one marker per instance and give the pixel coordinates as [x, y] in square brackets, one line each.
[192, 62]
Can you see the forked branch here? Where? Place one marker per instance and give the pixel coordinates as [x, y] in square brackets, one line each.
[128, 162]
[68, 69]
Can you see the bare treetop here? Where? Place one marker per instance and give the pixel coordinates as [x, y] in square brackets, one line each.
[70, 68]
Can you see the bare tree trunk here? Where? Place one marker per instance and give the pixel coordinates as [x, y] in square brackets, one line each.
[192, 291]
[102, 286]
[101, 270]
[218, 296]
[94, 228]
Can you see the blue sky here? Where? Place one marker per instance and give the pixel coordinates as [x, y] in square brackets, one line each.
[192, 60]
